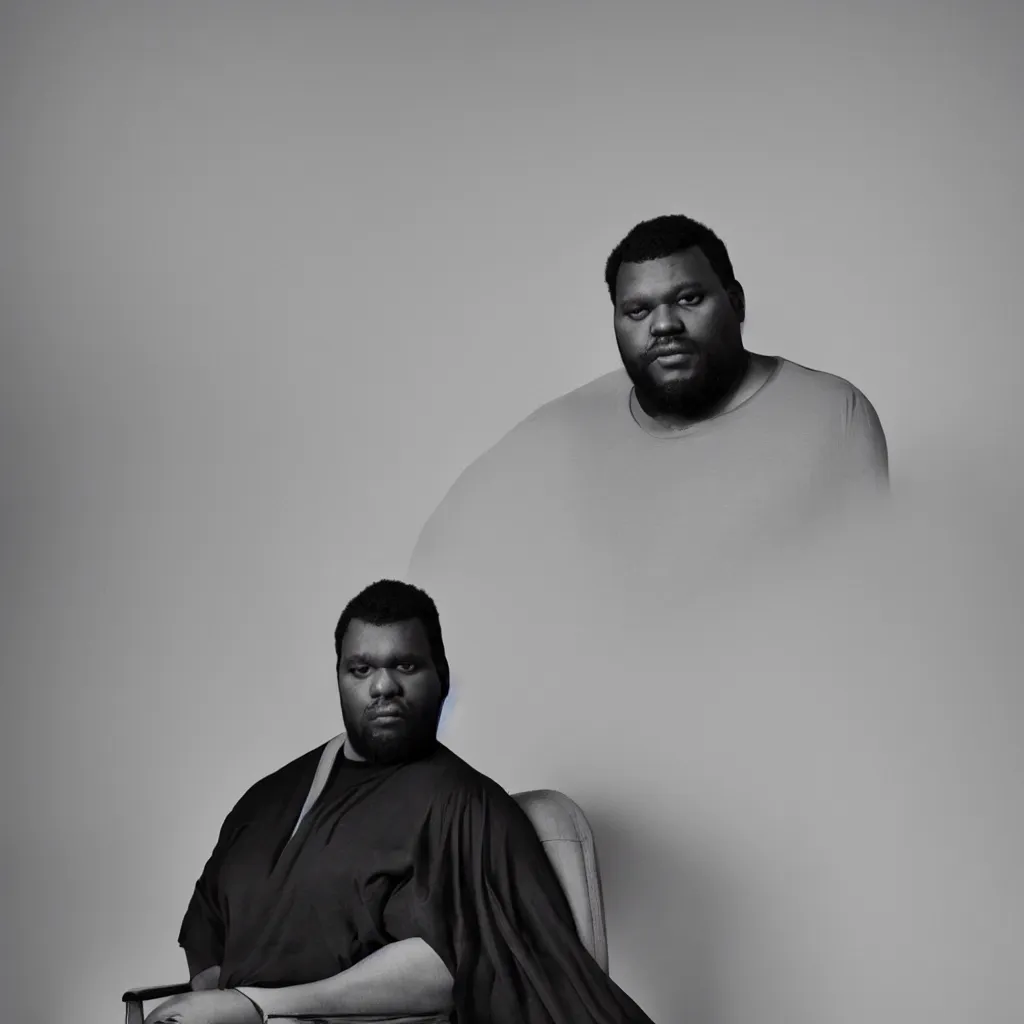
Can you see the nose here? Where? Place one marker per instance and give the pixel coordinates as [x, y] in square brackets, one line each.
[384, 684]
[666, 320]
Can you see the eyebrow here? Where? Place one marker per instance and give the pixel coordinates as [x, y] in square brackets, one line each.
[396, 658]
[684, 286]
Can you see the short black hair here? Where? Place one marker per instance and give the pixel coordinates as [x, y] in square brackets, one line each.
[389, 601]
[665, 236]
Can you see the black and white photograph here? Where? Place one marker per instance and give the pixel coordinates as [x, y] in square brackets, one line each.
[511, 512]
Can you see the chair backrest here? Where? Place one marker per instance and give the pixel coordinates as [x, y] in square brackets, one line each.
[569, 843]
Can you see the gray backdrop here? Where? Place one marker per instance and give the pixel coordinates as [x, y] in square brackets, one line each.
[273, 274]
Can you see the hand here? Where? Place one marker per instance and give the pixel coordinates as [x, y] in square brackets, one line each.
[218, 1006]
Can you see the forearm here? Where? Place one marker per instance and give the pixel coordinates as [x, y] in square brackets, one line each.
[403, 977]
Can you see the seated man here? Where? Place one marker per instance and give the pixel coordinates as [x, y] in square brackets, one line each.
[413, 885]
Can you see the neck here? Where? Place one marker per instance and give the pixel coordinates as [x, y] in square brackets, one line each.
[752, 372]
[414, 752]
[349, 754]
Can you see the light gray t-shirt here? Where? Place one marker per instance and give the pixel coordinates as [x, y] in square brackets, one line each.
[588, 493]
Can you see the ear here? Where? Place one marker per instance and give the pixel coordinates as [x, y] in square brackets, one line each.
[738, 300]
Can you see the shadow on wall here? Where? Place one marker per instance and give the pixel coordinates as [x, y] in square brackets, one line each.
[681, 967]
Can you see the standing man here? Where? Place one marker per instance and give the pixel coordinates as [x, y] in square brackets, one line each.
[722, 452]
[625, 576]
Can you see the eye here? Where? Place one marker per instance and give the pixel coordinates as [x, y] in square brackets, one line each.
[359, 671]
[636, 314]
[691, 299]
[408, 667]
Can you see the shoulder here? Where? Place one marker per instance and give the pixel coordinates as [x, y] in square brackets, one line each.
[455, 781]
[279, 783]
[812, 381]
[535, 447]
[569, 413]
[822, 389]
[557, 418]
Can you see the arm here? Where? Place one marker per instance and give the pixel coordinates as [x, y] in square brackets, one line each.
[202, 933]
[486, 899]
[867, 450]
[202, 930]
[405, 977]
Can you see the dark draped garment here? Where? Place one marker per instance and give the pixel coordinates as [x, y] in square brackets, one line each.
[431, 849]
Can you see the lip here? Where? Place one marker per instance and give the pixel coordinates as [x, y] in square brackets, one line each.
[385, 715]
[674, 358]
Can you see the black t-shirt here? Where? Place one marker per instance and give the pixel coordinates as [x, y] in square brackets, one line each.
[429, 849]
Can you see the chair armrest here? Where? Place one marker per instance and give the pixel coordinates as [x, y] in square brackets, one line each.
[138, 995]
[135, 997]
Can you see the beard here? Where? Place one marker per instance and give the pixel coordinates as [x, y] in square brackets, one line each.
[409, 738]
[714, 379]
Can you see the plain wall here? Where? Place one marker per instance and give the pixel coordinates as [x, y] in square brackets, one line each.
[272, 275]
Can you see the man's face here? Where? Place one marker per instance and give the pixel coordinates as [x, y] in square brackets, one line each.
[391, 694]
[678, 332]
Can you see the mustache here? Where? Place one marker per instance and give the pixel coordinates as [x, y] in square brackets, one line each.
[674, 345]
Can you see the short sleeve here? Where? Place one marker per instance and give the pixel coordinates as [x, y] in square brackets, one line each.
[866, 449]
[202, 931]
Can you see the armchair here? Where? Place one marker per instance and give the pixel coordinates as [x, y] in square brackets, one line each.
[569, 843]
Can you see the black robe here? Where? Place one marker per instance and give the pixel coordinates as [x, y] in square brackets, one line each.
[431, 849]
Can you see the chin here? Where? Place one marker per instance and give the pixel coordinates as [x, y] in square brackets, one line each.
[682, 400]
[395, 747]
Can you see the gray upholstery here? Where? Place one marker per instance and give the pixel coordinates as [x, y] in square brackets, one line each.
[569, 844]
